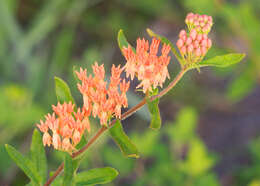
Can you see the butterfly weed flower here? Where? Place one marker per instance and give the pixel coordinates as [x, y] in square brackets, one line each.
[149, 67]
[64, 127]
[101, 99]
[194, 44]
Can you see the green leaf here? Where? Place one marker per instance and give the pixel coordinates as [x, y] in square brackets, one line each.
[242, 85]
[123, 141]
[198, 160]
[222, 61]
[155, 114]
[68, 170]
[122, 42]
[165, 41]
[96, 176]
[63, 91]
[38, 156]
[24, 163]
[183, 130]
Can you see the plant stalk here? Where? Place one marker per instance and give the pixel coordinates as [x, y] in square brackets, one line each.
[124, 116]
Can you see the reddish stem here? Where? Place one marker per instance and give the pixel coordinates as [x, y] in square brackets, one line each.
[124, 116]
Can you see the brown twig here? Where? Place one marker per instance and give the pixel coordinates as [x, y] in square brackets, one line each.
[124, 116]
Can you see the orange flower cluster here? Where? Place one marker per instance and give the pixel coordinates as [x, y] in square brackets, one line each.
[104, 102]
[149, 68]
[65, 125]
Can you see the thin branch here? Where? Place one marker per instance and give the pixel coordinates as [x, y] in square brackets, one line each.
[123, 117]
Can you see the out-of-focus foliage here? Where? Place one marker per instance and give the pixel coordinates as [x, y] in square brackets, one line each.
[43, 39]
[249, 174]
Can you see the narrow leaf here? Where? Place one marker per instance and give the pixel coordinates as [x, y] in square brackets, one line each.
[122, 42]
[155, 114]
[123, 141]
[63, 91]
[24, 163]
[38, 156]
[165, 41]
[96, 176]
[68, 170]
[222, 61]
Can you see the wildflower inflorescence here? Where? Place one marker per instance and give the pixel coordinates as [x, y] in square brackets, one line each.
[194, 45]
[149, 68]
[67, 124]
[64, 127]
[104, 101]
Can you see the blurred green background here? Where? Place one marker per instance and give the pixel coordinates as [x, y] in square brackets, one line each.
[211, 120]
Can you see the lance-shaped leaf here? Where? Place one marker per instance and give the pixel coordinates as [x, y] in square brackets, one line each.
[222, 61]
[122, 41]
[24, 163]
[122, 140]
[155, 113]
[63, 91]
[68, 170]
[96, 176]
[165, 41]
[38, 156]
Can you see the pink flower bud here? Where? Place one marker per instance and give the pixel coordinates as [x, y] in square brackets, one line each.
[188, 41]
[190, 20]
[182, 33]
[202, 23]
[205, 18]
[204, 36]
[204, 42]
[209, 43]
[210, 19]
[184, 37]
[198, 52]
[203, 50]
[199, 37]
[196, 23]
[196, 44]
[190, 48]
[200, 18]
[183, 50]
[179, 43]
[193, 34]
[208, 26]
[190, 14]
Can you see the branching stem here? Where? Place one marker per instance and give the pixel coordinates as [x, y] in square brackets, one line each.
[124, 116]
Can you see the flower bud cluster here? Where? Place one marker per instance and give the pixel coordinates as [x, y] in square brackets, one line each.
[102, 100]
[201, 23]
[64, 127]
[146, 65]
[194, 45]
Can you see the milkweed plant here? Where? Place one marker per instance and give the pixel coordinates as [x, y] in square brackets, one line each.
[64, 129]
